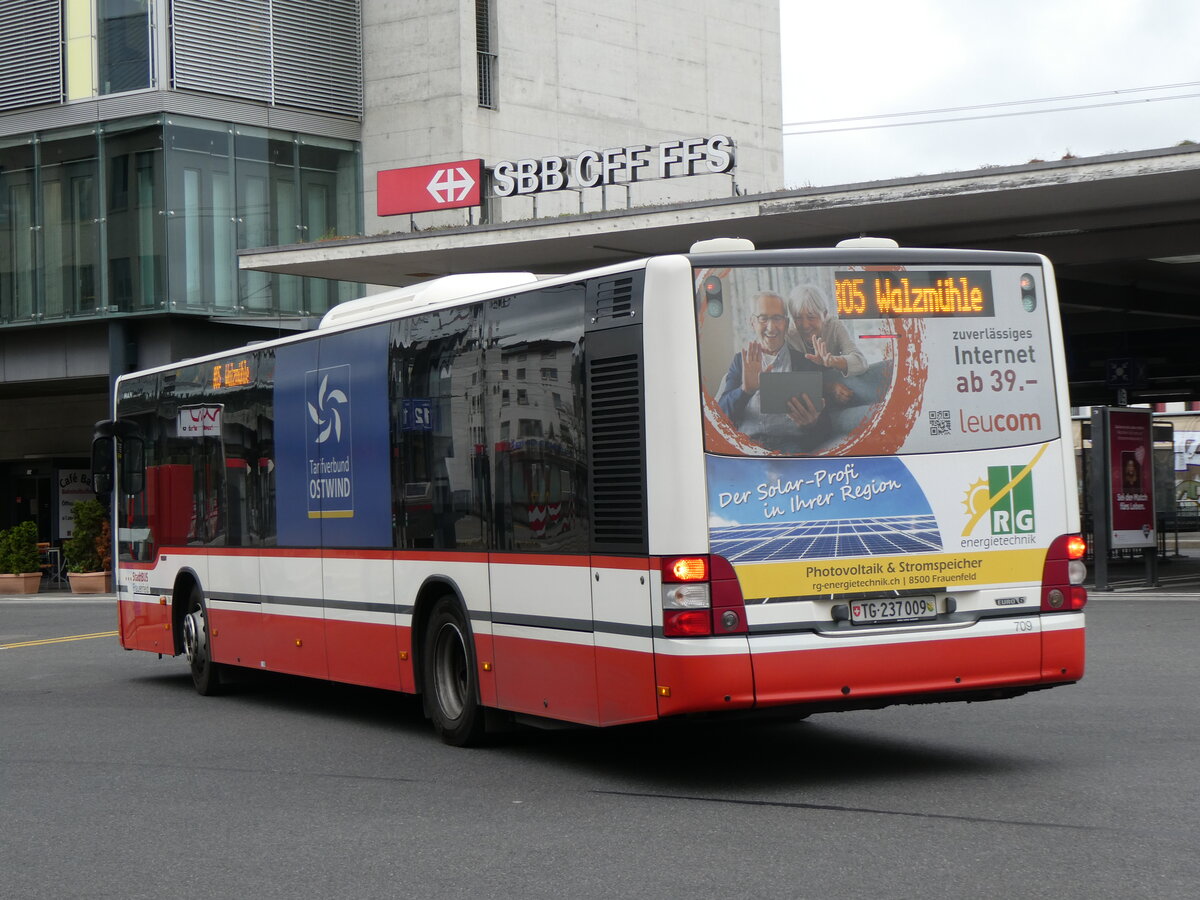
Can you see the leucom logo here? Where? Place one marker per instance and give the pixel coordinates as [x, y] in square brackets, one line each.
[970, 424]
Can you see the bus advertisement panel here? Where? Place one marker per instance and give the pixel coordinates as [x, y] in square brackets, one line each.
[331, 418]
[880, 431]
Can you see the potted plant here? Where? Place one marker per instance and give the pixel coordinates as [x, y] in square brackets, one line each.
[20, 563]
[87, 550]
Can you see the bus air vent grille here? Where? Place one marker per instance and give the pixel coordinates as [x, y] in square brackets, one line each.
[613, 300]
[618, 480]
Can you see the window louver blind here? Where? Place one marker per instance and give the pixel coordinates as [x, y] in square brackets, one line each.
[30, 52]
[305, 54]
[222, 47]
[318, 55]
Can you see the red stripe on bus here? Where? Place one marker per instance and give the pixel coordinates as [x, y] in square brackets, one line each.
[522, 559]
[546, 678]
[167, 552]
[637, 564]
[687, 684]
[292, 644]
[285, 552]
[629, 563]
[881, 670]
[485, 665]
[338, 553]
[236, 637]
[368, 654]
[363, 653]
[626, 683]
[1063, 655]
[146, 626]
[456, 556]
[539, 559]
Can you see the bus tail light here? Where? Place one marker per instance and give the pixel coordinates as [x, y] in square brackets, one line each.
[1063, 574]
[686, 569]
[701, 596]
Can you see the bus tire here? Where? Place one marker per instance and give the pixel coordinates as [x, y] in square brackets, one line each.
[206, 674]
[451, 682]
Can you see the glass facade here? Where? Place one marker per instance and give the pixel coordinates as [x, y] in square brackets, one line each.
[17, 192]
[147, 214]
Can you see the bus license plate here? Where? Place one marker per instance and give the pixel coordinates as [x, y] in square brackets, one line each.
[896, 609]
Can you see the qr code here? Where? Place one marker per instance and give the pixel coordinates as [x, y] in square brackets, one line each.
[939, 421]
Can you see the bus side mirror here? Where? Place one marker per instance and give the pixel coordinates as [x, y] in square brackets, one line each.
[133, 465]
[103, 455]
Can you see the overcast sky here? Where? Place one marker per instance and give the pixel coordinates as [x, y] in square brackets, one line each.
[858, 58]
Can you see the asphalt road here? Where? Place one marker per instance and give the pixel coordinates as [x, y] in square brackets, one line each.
[116, 780]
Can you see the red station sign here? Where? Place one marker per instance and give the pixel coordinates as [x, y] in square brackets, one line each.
[446, 185]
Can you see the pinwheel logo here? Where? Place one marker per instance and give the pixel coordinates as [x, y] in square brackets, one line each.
[326, 413]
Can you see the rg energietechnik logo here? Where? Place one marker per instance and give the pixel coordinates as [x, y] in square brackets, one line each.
[1005, 496]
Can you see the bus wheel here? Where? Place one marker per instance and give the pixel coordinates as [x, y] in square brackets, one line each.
[450, 680]
[206, 674]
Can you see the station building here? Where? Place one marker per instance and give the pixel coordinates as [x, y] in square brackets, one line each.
[144, 143]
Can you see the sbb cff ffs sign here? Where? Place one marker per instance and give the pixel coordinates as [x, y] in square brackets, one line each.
[617, 165]
[447, 185]
[452, 185]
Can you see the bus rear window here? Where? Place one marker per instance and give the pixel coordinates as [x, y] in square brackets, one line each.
[851, 361]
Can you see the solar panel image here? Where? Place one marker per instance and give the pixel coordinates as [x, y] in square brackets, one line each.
[827, 540]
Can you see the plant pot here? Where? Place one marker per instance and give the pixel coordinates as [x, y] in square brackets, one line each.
[90, 582]
[25, 583]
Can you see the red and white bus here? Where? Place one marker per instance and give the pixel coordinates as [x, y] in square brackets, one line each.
[727, 480]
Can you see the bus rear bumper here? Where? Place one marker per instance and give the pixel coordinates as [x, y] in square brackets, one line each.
[992, 659]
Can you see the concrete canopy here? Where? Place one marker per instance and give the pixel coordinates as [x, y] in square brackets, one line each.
[1122, 230]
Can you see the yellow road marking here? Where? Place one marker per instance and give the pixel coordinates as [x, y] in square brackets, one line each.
[59, 640]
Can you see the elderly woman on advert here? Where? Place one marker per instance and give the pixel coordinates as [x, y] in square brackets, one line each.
[819, 335]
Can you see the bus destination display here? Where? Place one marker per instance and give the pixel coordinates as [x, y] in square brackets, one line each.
[231, 374]
[901, 294]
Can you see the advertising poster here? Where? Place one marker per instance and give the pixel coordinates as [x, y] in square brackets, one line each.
[855, 361]
[799, 528]
[73, 485]
[1187, 472]
[332, 438]
[199, 421]
[1131, 478]
[879, 430]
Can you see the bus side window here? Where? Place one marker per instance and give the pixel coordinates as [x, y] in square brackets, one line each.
[139, 448]
[233, 474]
[535, 420]
[262, 454]
[133, 465]
[435, 408]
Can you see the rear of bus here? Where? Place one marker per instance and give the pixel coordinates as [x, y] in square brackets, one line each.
[890, 506]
